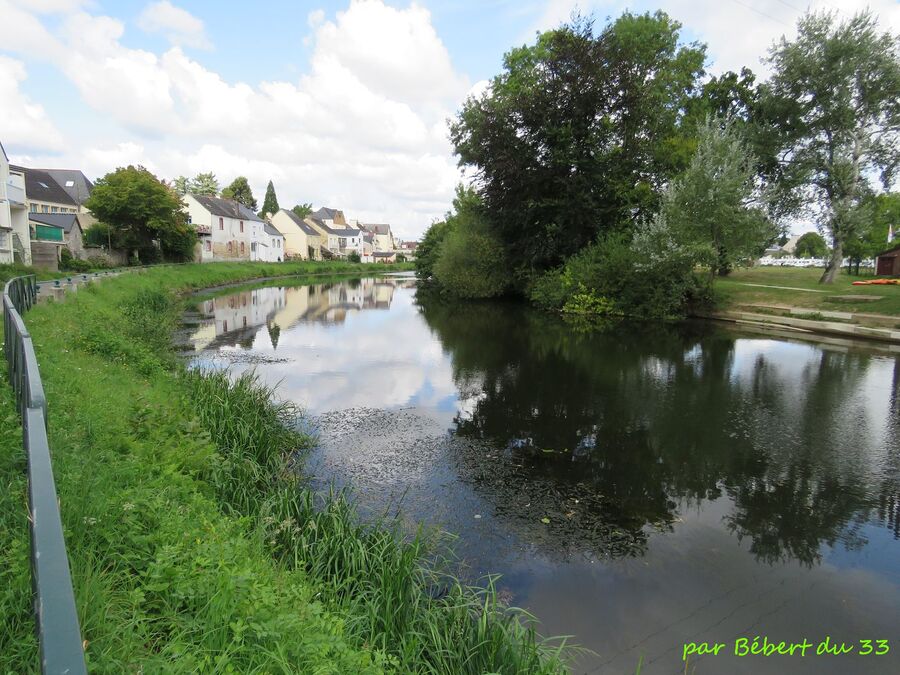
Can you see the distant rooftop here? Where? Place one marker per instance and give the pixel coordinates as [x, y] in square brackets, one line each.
[40, 186]
[302, 224]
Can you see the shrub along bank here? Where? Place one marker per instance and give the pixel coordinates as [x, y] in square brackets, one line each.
[194, 546]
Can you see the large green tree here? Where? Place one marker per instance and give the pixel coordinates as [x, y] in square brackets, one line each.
[579, 133]
[204, 184]
[713, 213]
[835, 110]
[811, 245]
[270, 203]
[240, 191]
[140, 210]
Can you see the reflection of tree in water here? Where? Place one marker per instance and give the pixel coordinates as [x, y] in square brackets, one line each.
[634, 421]
[274, 333]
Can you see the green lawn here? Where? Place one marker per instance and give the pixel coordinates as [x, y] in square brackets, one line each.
[737, 289]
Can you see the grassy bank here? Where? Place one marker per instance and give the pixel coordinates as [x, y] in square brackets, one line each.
[194, 547]
[801, 288]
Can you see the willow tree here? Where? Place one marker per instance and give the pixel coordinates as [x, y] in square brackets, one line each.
[836, 110]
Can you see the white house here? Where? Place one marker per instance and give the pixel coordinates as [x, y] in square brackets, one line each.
[228, 230]
[383, 238]
[338, 241]
[15, 237]
[268, 245]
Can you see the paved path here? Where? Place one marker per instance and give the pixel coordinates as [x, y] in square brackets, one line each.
[786, 288]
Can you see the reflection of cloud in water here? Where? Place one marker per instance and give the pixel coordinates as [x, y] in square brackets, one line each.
[369, 358]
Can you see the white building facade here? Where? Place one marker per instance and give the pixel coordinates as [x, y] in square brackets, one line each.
[227, 229]
[15, 236]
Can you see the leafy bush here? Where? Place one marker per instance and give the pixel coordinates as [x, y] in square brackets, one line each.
[353, 257]
[97, 235]
[466, 255]
[471, 264]
[614, 276]
[586, 301]
[430, 248]
[70, 263]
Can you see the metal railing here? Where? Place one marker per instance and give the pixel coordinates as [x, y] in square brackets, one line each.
[56, 620]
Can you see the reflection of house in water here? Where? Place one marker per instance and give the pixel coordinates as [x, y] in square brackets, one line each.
[233, 319]
[331, 303]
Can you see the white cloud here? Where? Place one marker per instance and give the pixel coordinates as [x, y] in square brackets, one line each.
[179, 26]
[315, 18]
[737, 32]
[363, 130]
[99, 161]
[21, 120]
[52, 6]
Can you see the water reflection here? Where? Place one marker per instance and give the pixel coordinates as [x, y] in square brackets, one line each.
[234, 318]
[660, 468]
[641, 422]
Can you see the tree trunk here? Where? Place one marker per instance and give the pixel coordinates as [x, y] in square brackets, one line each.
[834, 263]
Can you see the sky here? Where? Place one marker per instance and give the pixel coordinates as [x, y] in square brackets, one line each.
[340, 103]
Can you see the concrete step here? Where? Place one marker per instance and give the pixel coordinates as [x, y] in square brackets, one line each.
[811, 326]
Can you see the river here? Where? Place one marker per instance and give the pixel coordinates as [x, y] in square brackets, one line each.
[638, 486]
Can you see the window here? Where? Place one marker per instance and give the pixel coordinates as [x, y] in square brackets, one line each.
[54, 209]
[242, 248]
[222, 224]
[70, 183]
[32, 207]
[225, 326]
[230, 246]
[208, 245]
[245, 321]
[190, 222]
[45, 209]
[242, 225]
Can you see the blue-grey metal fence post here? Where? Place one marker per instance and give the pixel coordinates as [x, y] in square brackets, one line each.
[56, 618]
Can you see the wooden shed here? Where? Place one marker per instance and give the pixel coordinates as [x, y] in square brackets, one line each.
[887, 263]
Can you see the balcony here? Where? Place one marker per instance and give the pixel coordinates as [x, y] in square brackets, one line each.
[15, 195]
[203, 229]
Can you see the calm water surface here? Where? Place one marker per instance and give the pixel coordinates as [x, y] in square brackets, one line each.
[638, 487]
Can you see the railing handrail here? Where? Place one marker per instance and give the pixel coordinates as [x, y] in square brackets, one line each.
[56, 618]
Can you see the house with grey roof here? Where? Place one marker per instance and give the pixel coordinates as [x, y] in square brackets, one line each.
[271, 246]
[44, 194]
[339, 241]
[70, 224]
[73, 181]
[301, 240]
[331, 217]
[382, 236]
[227, 229]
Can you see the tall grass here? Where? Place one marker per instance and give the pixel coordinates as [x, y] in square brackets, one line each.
[396, 593]
[194, 546]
